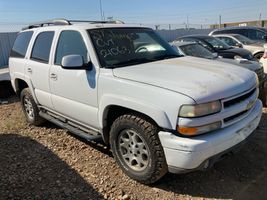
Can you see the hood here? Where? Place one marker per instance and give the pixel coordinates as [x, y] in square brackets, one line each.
[255, 47]
[201, 79]
[237, 51]
[256, 44]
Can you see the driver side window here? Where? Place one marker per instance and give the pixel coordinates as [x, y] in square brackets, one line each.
[70, 42]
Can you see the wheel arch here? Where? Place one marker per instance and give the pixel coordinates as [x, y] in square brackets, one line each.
[119, 106]
[20, 84]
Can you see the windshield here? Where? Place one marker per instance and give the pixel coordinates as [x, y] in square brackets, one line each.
[118, 47]
[197, 50]
[217, 44]
[243, 39]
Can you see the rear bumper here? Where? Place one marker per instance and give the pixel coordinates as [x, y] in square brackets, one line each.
[190, 154]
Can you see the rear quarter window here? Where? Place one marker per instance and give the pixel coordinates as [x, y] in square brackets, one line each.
[21, 44]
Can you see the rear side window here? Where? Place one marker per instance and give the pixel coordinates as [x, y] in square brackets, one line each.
[21, 44]
[70, 42]
[42, 46]
[229, 41]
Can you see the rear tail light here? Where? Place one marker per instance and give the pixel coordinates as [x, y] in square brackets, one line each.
[265, 55]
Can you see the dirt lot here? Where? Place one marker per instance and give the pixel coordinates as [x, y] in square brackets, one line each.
[48, 163]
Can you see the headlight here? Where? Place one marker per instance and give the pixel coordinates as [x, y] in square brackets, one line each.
[200, 109]
[191, 131]
[257, 80]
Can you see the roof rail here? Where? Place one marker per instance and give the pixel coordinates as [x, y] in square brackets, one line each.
[53, 22]
[97, 22]
[56, 22]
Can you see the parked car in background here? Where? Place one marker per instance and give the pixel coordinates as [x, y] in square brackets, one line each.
[217, 46]
[253, 33]
[197, 50]
[240, 41]
[263, 59]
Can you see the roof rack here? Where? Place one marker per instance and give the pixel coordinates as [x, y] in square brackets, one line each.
[97, 22]
[57, 22]
[53, 22]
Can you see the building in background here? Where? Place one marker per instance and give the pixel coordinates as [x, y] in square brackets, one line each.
[258, 23]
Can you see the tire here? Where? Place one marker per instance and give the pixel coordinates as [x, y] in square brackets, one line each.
[137, 149]
[30, 108]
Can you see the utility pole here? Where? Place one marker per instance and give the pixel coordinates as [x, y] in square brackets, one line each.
[220, 21]
[101, 11]
[187, 22]
[260, 24]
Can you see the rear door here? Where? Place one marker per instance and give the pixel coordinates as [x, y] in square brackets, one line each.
[17, 60]
[38, 66]
[74, 92]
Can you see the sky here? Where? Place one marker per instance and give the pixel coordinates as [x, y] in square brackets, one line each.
[15, 13]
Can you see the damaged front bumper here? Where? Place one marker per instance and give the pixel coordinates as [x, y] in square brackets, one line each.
[200, 152]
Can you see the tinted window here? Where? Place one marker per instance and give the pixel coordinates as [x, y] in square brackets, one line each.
[42, 46]
[216, 43]
[197, 50]
[229, 41]
[221, 32]
[21, 44]
[241, 31]
[70, 42]
[256, 34]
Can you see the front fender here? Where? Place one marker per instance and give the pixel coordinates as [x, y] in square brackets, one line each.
[155, 113]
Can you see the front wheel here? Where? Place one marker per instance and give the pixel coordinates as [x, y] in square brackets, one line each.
[137, 149]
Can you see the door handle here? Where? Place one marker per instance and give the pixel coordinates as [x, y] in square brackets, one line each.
[29, 70]
[53, 76]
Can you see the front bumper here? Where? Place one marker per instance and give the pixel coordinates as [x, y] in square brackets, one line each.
[190, 154]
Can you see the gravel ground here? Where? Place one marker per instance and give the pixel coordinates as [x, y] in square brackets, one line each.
[49, 163]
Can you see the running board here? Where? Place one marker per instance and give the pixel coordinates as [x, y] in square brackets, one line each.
[89, 135]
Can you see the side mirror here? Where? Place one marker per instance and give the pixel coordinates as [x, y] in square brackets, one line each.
[239, 45]
[75, 62]
[264, 37]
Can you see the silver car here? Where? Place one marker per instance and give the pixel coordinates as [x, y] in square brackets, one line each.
[197, 50]
[240, 41]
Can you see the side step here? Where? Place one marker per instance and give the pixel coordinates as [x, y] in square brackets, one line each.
[89, 135]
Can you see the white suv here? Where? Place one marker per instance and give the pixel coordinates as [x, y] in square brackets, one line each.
[159, 111]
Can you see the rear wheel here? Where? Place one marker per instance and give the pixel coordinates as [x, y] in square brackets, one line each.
[137, 149]
[30, 108]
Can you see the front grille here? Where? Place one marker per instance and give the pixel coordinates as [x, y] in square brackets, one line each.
[234, 117]
[238, 99]
[260, 73]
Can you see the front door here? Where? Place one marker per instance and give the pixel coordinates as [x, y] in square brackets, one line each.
[74, 92]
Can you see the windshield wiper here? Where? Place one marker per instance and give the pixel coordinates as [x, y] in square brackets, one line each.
[133, 61]
[168, 56]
